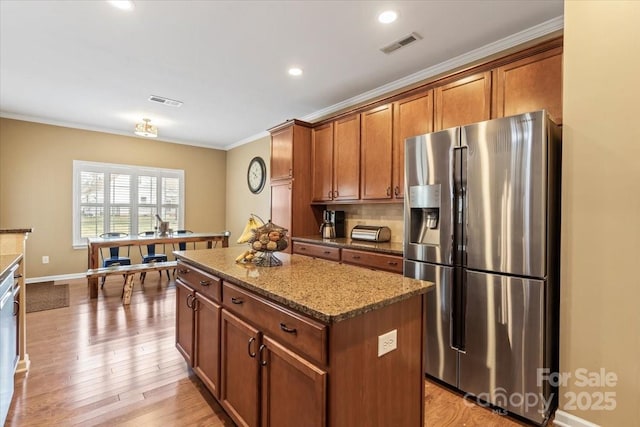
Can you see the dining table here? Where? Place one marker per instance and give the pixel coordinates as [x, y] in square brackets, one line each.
[95, 244]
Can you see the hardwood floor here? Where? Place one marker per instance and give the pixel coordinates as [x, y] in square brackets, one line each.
[99, 363]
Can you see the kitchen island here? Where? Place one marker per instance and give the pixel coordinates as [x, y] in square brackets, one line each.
[310, 342]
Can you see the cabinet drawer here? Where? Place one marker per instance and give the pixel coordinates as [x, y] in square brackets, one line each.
[202, 282]
[373, 260]
[301, 334]
[318, 251]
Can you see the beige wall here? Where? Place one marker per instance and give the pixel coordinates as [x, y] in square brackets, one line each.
[240, 201]
[36, 165]
[600, 320]
[391, 215]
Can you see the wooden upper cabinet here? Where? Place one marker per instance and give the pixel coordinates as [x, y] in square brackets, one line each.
[376, 153]
[530, 84]
[463, 101]
[322, 162]
[290, 149]
[411, 116]
[282, 154]
[346, 158]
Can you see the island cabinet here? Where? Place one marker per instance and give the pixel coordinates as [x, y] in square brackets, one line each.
[463, 101]
[198, 314]
[362, 258]
[411, 116]
[530, 84]
[290, 178]
[270, 375]
[300, 343]
[376, 153]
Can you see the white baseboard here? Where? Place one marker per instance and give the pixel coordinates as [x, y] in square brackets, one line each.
[565, 419]
[53, 278]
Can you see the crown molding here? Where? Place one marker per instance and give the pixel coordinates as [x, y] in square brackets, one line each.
[73, 125]
[247, 140]
[493, 48]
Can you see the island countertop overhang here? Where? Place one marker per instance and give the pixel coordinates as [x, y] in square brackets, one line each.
[323, 290]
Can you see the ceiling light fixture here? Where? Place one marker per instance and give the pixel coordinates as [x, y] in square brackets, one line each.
[146, 129]
[122, 4]
[387, 17]
[295, 71]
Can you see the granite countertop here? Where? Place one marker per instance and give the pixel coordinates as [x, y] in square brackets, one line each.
[391, 248]
[324, 290]
[7, 261]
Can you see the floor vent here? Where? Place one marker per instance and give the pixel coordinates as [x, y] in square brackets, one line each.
[165, 101]
[404, 41]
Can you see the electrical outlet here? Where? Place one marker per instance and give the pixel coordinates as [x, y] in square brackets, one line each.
[387, 342]
[45, 259]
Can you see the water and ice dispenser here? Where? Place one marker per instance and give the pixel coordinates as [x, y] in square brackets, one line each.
[424, 205]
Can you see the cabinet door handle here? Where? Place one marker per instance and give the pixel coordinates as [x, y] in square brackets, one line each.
[251, 341]
[196, 304]
[290, 172]
[392, 262]
[327, 252]
[329, 194]
[235, 300]
[288, 330]
[183, 271]
[336, 194]
[388, 191]
[189, 299]
[262, 361]
[303, 248]
[396, 190]
[355, 256]
[16, 308]
[205, 282]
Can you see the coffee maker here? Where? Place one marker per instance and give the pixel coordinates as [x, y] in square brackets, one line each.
[333, 224]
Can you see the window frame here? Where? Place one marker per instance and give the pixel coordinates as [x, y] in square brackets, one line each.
[134, 172]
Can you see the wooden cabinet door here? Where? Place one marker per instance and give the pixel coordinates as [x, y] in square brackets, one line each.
[239, 370]
[463, 101]
[376, 153]
[281, 206]
[206, 358]
[346, 158]
[293, 390]
[530, 84]
[185, 319]
[411, 116]
[322, 163]
[282, 154]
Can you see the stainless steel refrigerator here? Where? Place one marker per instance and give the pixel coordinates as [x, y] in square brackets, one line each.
[482, 221]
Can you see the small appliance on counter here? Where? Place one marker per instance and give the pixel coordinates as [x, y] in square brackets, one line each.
[371, 233]
[333, 225]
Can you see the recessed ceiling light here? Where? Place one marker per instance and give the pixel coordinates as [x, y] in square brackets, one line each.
[122, 4]
[295, 71]
[387, 17]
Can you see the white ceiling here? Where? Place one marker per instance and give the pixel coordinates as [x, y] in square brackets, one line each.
[89, 65]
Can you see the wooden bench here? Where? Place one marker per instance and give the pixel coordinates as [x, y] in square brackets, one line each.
[129, 272]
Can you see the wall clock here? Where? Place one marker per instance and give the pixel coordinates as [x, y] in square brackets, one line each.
[256, 175]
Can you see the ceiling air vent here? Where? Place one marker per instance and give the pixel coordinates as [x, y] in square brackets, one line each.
[165, 101]
[404, 41]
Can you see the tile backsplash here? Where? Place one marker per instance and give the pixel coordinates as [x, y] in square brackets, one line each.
[390, 215]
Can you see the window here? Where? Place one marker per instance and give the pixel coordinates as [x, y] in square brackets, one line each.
[109, 197]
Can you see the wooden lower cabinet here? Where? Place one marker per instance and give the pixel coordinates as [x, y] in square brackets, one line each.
[293, 390]
[185, 321]
[206, 358]
[264, 383]
[240, 370]
[198, 334]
